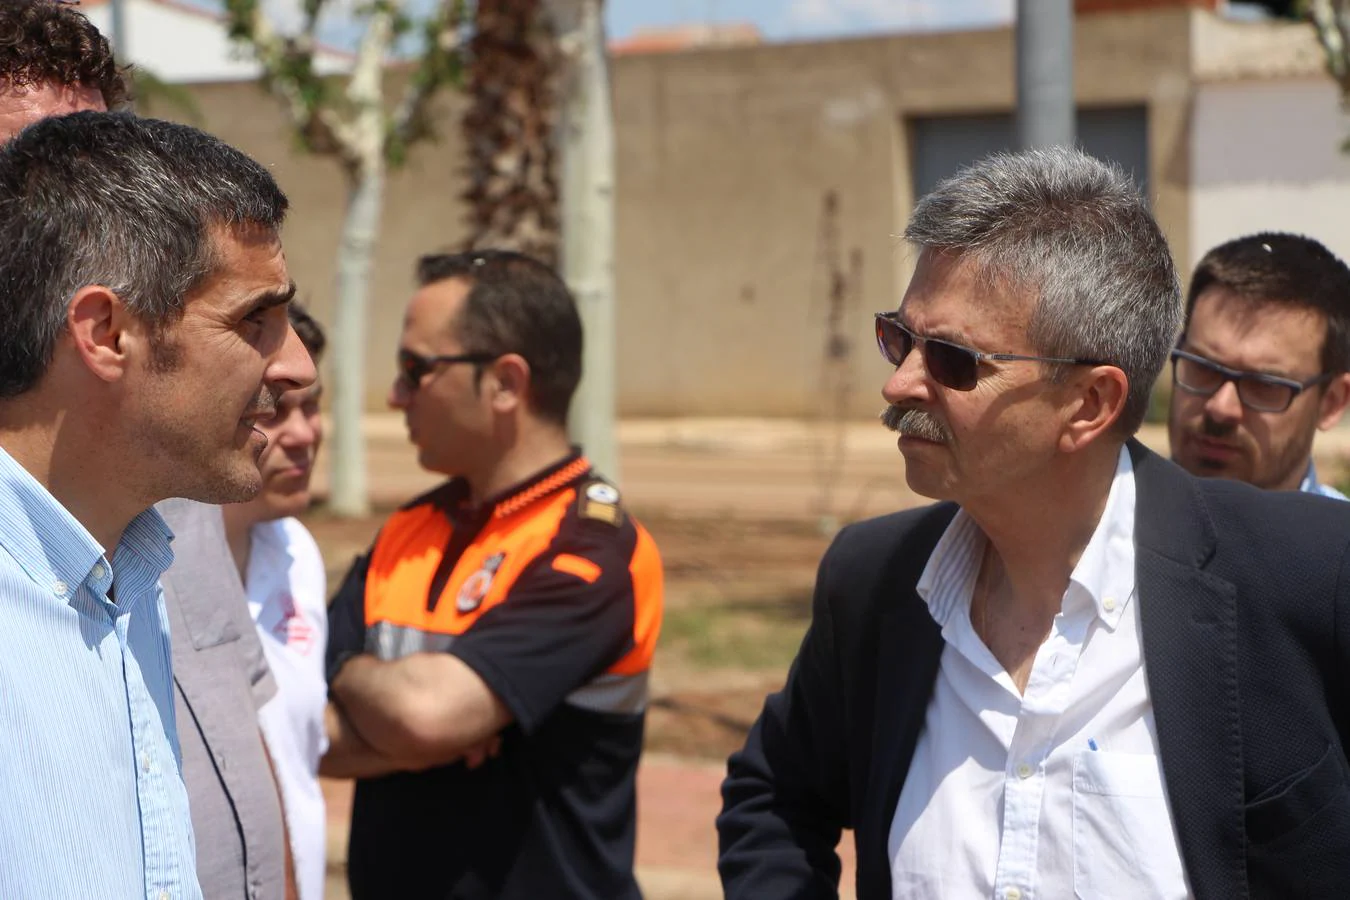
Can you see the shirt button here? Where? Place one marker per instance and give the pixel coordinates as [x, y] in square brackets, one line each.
[1109, 604]
[163, 895]
[99, 571]
[1024, 770]
[145, 766]
[60, 588]
[1013, 894]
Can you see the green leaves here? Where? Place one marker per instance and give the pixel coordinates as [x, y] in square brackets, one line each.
[322, 113]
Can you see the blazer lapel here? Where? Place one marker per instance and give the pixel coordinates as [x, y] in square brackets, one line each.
[1189, 620]
[909, 651]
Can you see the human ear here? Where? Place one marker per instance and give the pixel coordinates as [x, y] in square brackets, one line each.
[98, 323]
[1331, 405]
[1096, 405]
[511, 376]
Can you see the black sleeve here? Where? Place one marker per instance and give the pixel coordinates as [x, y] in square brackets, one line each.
[784, 794]
[347, 618]
[556, 630]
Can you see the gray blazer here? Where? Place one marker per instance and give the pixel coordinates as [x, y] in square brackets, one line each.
[221, 680]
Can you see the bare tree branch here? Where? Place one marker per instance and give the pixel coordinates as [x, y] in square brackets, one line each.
[362, 134]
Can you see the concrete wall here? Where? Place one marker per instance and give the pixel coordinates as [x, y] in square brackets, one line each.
[724, 160]
[1266, 157]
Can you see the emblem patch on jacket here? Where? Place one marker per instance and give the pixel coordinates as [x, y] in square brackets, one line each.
[477, 585]
[601, 501]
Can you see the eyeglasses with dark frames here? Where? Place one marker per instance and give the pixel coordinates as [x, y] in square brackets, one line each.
[1203, 377]
[413, 367]
[951, 365]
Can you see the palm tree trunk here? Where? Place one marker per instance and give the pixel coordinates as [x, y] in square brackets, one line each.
[509, 130]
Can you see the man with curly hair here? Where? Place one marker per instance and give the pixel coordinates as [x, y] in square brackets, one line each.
[53, 61]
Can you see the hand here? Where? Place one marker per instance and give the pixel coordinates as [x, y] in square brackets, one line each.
[480, 753]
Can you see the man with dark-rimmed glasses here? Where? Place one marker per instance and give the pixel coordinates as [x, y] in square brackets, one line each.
[488, 658]
[1261, 366]
[1084, 672]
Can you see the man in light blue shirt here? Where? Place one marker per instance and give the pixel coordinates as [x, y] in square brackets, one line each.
[143, 333]
[1262, 364]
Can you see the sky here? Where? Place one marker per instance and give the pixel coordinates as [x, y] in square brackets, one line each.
[778, 20]
[807, 19]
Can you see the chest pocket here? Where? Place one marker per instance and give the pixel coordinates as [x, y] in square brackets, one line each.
[1123, 841]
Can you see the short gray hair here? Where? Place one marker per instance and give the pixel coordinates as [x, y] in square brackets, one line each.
[119, 201]
[1074, 232]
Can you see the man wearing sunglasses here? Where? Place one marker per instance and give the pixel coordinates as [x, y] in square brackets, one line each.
[488, 658]
[1086, 672]
[1261, 366]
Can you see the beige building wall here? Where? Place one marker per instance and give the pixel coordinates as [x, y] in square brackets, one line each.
[1267, 134]
[724, 159]
[1249, 176]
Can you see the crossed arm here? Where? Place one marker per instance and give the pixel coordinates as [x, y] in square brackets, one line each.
[409, 714]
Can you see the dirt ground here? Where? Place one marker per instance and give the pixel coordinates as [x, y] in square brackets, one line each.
[742, 511]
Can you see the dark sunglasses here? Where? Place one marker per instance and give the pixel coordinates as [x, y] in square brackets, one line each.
[1203, 377]
[413, 367]
[951, 365]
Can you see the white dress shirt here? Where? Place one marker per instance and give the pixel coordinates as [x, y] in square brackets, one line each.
[287, 595]
[1057, 792]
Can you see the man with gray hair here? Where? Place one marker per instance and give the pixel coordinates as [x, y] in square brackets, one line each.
[143, 296]
[1085, 672]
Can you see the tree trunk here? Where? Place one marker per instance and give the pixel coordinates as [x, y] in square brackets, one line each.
[509, 130]
[365, 169]
[360, 228]
[587, 140]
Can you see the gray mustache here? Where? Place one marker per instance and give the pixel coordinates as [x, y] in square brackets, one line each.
[915, 423]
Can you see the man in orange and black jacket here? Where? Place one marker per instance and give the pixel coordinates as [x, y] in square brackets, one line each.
[488, 658]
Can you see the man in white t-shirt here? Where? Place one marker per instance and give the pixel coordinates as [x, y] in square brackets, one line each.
[283, 575]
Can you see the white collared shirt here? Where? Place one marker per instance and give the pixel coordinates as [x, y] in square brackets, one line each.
[1055, 793]
[287, 595]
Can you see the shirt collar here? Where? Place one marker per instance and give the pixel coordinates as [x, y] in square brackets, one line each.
[1312, 486]
[52, 547]
[562, 474]
[1310, 483]
[1105, 570]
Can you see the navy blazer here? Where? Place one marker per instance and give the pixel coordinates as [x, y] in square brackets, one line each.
[1245, 609]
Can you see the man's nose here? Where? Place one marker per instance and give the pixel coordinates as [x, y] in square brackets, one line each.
[1224, 405]
[399, 393]
[292, 368]
[297, 431]
[908, 384]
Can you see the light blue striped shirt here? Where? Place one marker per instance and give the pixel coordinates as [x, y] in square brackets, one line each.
[1312, 486]
[92, 802]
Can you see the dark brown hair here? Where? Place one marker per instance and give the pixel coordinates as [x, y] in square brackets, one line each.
[1287, 269]
[516, 304]
[51, 42]
[310, 332]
